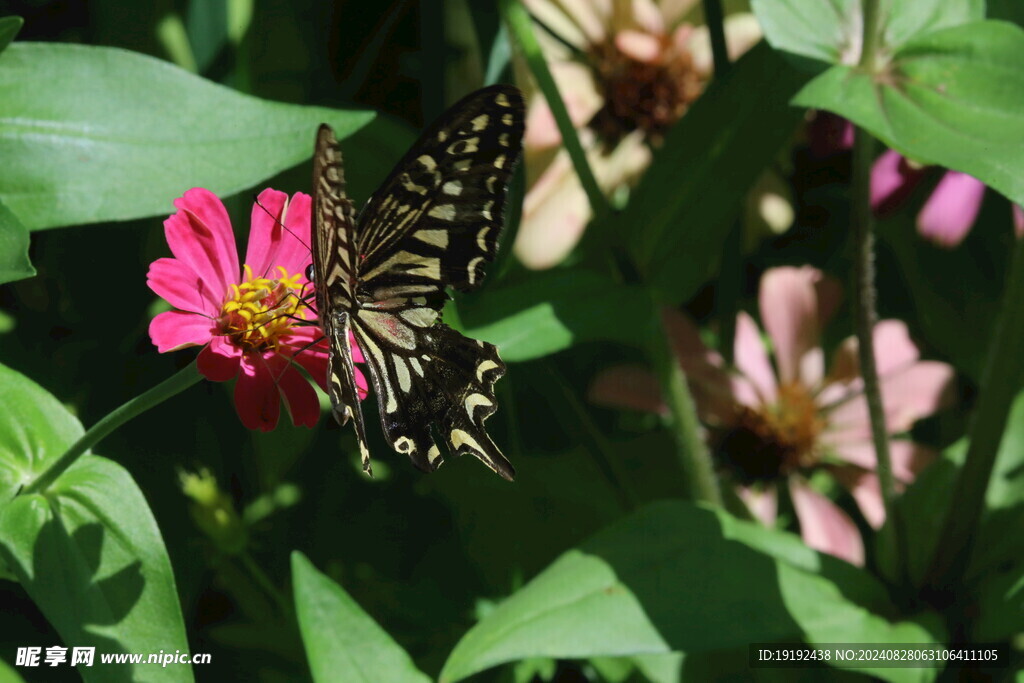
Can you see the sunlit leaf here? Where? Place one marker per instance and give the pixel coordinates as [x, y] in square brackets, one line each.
[93, 134]
[93, 529]
[14, 239]
[342, 642]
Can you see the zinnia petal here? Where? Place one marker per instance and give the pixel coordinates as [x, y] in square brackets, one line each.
[866, 491]
[908, 458]
[219, 361]
[270, 244]
[794, 303]
[303, 405]
[173, 281]
[200, 236]
[824, 526]
[951, 210]
[257, 398]
[1018, 220]
[762, 503]
[752, 358]
[893, 179]
[173, 330]
[632, 387]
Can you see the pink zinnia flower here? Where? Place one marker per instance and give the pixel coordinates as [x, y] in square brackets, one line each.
[252, 322]
[774, 424]
[627, 71]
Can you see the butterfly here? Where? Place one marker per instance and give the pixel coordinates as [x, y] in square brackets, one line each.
[382, 275]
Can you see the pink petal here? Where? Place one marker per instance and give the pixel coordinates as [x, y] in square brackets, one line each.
[299, 396]
[257, 398]
[751, 358]
[178, 284]
[173, 330]
[362, 387]
[824, 526]
[866, 491]
[579, 94]
[951, 210]
[555, 213]
[894, 350]
[1018, 220]
[200, 236]
[219, 361]
[908, 458]
[762, 503]
[892, 182]
[632, 387]
[793, 302]
[270, 244]
[638, 45]
[357, 354]
[829, 134]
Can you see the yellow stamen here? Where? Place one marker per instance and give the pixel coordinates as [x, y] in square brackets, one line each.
[260, 311]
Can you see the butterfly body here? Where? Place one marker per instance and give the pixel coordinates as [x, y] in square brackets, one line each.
[381, 277]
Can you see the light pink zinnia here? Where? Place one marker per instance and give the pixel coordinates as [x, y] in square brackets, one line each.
[775, 424]
[245, 318]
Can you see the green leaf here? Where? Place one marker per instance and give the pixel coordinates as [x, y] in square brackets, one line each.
[953, 98]
[9, 27]
[676, 577]
[88, 552]
[830, 32]
[552, 310]
[9, 674]
[678, 217]
[93, 134]
[342, 642]
[14, 261]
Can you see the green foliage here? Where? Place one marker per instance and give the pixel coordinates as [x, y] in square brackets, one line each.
[83, 147]
[698, 581]
[953, 98]
[9, 27]
[88, 551]
[342, 641]
[14, 261]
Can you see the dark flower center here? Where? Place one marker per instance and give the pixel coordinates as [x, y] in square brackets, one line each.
[640, 95]
[773, 441]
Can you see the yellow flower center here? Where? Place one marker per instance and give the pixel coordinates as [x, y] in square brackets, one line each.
[774, 440]
[261, 310]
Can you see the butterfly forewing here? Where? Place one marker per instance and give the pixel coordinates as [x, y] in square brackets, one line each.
[434, 223]
[334, 261]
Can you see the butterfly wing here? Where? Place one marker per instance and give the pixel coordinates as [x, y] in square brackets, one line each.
[435, 223]
[334, 268]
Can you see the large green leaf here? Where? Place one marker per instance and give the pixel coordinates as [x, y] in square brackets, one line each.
[9, 27]
[954, 98]
[553, 310]
[93, 134]
[342, 642]
[678, 217]
[14, 261]
[88, 551]
[831, 31]
[676, 577]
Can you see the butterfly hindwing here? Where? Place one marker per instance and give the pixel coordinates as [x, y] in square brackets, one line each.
[433, 224]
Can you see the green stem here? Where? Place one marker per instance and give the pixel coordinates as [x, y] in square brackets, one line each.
[264, 582]
[520, 28]
[699, 480]
[865, 315]
[1002, 378]
[133, 408]
[714, 17]
[871, 34]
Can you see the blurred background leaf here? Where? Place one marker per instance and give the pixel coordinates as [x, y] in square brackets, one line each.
[9, 27]
[14, 240]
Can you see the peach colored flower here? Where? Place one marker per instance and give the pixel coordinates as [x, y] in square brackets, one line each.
[245, 318]
[774, 424]
[627, 70]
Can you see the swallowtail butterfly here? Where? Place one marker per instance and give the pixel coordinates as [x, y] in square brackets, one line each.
[382, 273]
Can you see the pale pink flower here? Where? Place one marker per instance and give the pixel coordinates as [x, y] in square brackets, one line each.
[627, 70]
[252, 322]
[782, 416]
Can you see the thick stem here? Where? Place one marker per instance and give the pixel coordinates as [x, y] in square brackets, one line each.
[865, 315]
[714, 17]
[1001, 381]
[133, 408]
[699, 481]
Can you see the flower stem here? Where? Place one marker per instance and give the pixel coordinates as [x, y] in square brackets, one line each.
[864, 322]
[699, 479]
[133, 408]
[714, 17]
[520, 27]
[1002, 378]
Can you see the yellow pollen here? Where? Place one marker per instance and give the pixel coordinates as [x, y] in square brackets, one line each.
[260, 311]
